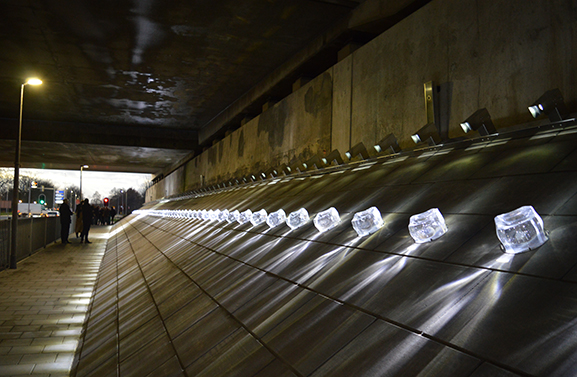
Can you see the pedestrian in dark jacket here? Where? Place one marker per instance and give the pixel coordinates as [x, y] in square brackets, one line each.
[86, 220]
[65, 220]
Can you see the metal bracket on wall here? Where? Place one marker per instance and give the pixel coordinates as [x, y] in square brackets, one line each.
[433, 104]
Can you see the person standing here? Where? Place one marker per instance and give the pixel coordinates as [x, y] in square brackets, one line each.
[78, 226]
[112, 214]
[87, 215]
[65, 220]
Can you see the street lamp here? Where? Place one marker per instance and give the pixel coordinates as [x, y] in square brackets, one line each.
[81, 168]
[14, 236]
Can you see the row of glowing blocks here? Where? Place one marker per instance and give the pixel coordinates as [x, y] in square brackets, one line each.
[519, 230]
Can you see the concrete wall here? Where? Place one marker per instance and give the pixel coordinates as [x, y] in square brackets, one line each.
[299, 126]
[497, 54]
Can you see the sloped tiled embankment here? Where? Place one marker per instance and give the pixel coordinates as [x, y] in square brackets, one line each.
[186, 297]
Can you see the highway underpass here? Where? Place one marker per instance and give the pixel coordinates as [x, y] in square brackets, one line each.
[177, 296]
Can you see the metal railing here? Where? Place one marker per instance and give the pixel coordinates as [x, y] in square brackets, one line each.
[34, 233]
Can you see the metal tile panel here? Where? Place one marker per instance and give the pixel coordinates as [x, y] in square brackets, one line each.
[240, 355]
[148, 359]
[527, 159]
[272, 306]
[386, 350]
[276, 368]
[188, 315]
[545, 192]
[205, 334]
[314, 332]
[525, 322]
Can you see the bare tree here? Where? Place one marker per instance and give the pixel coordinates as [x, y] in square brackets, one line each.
[96, 199]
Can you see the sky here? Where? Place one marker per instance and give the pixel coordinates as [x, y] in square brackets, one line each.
[92, 181]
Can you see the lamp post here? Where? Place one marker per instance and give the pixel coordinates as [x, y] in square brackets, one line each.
[82, 167]
[14, 235]
[120, 199]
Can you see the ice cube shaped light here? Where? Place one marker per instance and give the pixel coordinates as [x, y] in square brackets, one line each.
[297, 219]
[276, 218]
[213, 214]
[367, 222]
[520, 230]
[233, 216]
[258, 217]
[204, 214]
[427, 226]
[327, 219]
[245, 216]
[223, 215]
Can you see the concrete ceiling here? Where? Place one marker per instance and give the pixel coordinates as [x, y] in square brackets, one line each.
[136, 85]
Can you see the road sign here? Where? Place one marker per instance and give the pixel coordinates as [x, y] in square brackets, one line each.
[59, 196]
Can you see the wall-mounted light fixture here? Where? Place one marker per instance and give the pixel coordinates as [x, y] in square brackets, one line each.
[551, 104]
[298, 166]
[269, 173]
[284, 169]
[481, 122]
[428, 133]
[388, 144]
[334, 156]
[358, 150]
[315, 163]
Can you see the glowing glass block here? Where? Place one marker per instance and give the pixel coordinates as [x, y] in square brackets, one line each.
[258, 217]
[204, 214]
[223, 215]
[274, 219]
[520, 230]
[213, 215]
[367, 222]
[427, 226]
[327, 220]
[297, 219]
[245, 216]
[233, 216]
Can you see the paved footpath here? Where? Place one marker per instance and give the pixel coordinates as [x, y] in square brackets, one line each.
[43, 304]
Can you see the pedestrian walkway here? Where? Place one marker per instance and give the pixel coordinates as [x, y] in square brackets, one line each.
[43, 304]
